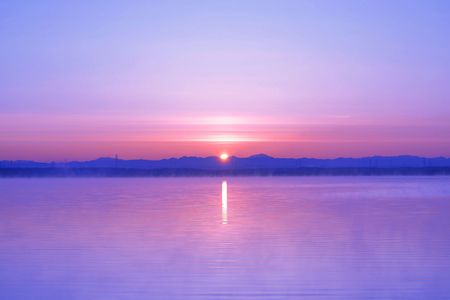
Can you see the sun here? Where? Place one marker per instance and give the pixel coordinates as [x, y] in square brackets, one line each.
[224, 156]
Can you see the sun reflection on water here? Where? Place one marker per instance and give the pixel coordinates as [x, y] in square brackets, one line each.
[224, 203]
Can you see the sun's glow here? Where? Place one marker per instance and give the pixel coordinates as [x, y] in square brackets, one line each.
[224, 138]
[224, 156]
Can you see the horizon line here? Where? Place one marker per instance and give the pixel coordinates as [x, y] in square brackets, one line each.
[230, 157]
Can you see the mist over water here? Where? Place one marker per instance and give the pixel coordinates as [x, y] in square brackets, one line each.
[225, 238]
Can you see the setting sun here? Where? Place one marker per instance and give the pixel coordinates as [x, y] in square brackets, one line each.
[224, 156]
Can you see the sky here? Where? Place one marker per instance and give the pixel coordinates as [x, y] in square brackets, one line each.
[156, 79]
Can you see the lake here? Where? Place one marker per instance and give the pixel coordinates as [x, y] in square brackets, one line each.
[225, 238]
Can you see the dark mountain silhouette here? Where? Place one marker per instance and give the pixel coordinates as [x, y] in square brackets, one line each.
[259, 161]
[259, 164]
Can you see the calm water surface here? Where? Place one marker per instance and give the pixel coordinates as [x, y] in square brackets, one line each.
[246, 238]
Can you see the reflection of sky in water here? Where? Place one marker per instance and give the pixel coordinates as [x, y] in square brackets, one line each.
[308, 238]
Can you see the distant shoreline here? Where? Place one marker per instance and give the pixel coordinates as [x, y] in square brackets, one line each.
[188, 172]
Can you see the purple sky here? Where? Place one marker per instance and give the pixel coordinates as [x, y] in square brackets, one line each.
[154, 79]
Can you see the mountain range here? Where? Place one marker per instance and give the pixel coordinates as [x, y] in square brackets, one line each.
[259, 161]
